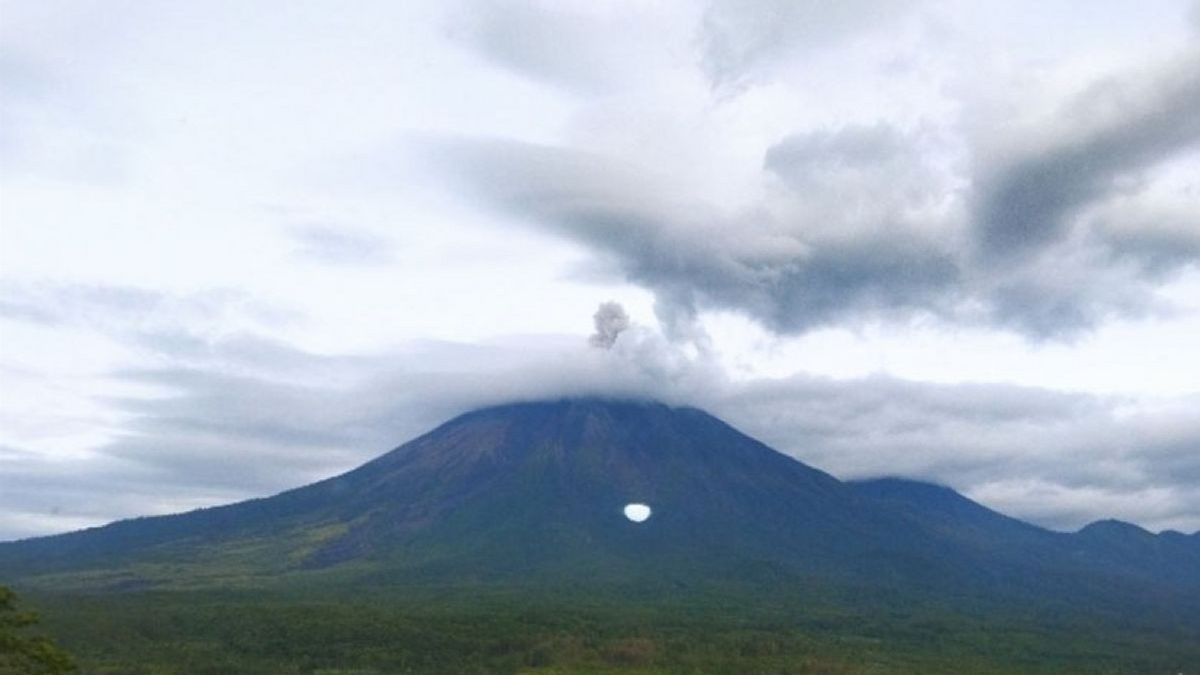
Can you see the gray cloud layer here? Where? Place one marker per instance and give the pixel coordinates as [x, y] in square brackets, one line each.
[1112, 131]
[1046, 227]
[240, 416]
[860, 229]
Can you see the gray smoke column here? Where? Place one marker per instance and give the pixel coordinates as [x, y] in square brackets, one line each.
[610, 320]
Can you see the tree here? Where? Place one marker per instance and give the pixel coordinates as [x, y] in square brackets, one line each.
[26, 654]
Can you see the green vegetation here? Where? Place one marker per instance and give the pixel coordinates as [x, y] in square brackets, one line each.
[458, 632]
[475, 551]
[25, 654]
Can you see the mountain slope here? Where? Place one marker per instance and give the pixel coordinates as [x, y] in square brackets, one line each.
[521, 488]
[1111, 550]
[533, 493]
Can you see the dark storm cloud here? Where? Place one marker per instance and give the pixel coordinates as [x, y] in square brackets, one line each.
[863, 223]
[1172, 449]
[1112, 131]
[1156, 239]
[1046, 227]
[694, 256]
[806, 158]
[891, 274]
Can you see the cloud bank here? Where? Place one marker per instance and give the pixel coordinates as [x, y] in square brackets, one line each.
[220, 419]
[1004, 221]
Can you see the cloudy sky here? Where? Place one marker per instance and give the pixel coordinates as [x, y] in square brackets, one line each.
[243, 247]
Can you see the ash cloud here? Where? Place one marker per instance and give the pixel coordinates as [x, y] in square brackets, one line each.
[610, 321]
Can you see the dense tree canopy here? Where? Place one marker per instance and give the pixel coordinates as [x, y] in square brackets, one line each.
[23, 653]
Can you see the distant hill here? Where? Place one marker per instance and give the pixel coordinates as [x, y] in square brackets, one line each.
[533, 493]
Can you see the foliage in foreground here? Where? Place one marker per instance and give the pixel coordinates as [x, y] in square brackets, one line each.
[22, 653]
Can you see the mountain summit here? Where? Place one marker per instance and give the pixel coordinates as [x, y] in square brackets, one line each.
[536, 492]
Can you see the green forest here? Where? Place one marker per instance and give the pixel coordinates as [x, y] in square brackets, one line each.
[22, 650]
[456, 632]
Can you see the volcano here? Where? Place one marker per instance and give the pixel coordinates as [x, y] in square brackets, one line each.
[536, 493]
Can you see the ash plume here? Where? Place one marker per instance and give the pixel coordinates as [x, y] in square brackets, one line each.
[610, 320]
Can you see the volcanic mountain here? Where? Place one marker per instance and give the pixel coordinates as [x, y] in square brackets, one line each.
[533, 493]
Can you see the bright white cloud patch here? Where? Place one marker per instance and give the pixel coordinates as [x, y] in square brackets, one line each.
[637, 513]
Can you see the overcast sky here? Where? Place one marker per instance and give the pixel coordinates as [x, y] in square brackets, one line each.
[244, 246]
